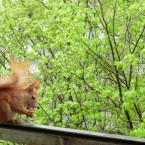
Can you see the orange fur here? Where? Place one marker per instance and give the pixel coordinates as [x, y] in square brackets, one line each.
[18, 93]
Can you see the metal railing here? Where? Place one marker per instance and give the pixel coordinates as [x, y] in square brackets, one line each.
[46, 135]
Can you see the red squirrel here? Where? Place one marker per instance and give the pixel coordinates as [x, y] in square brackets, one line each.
[18, 92]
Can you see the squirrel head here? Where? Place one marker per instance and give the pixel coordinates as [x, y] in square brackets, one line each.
[31, 99]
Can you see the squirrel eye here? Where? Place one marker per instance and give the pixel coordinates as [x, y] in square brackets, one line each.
[33, 97]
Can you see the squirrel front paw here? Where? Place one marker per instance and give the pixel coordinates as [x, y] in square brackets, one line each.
[30, 113]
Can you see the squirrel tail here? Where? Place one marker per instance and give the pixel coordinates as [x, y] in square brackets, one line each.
[20, 74]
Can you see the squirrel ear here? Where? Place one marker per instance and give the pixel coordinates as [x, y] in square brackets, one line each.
[33, 85]
[37, 85]
[30, 87]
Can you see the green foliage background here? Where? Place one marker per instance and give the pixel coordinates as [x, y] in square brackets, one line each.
[89, 56]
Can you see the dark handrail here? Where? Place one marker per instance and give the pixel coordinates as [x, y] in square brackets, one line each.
[47, 135]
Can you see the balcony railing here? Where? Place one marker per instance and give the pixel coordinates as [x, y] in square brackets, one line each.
[46, 135]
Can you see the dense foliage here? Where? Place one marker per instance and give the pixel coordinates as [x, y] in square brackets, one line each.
[89, 56]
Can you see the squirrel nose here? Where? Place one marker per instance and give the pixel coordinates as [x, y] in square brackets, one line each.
[38, 107]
